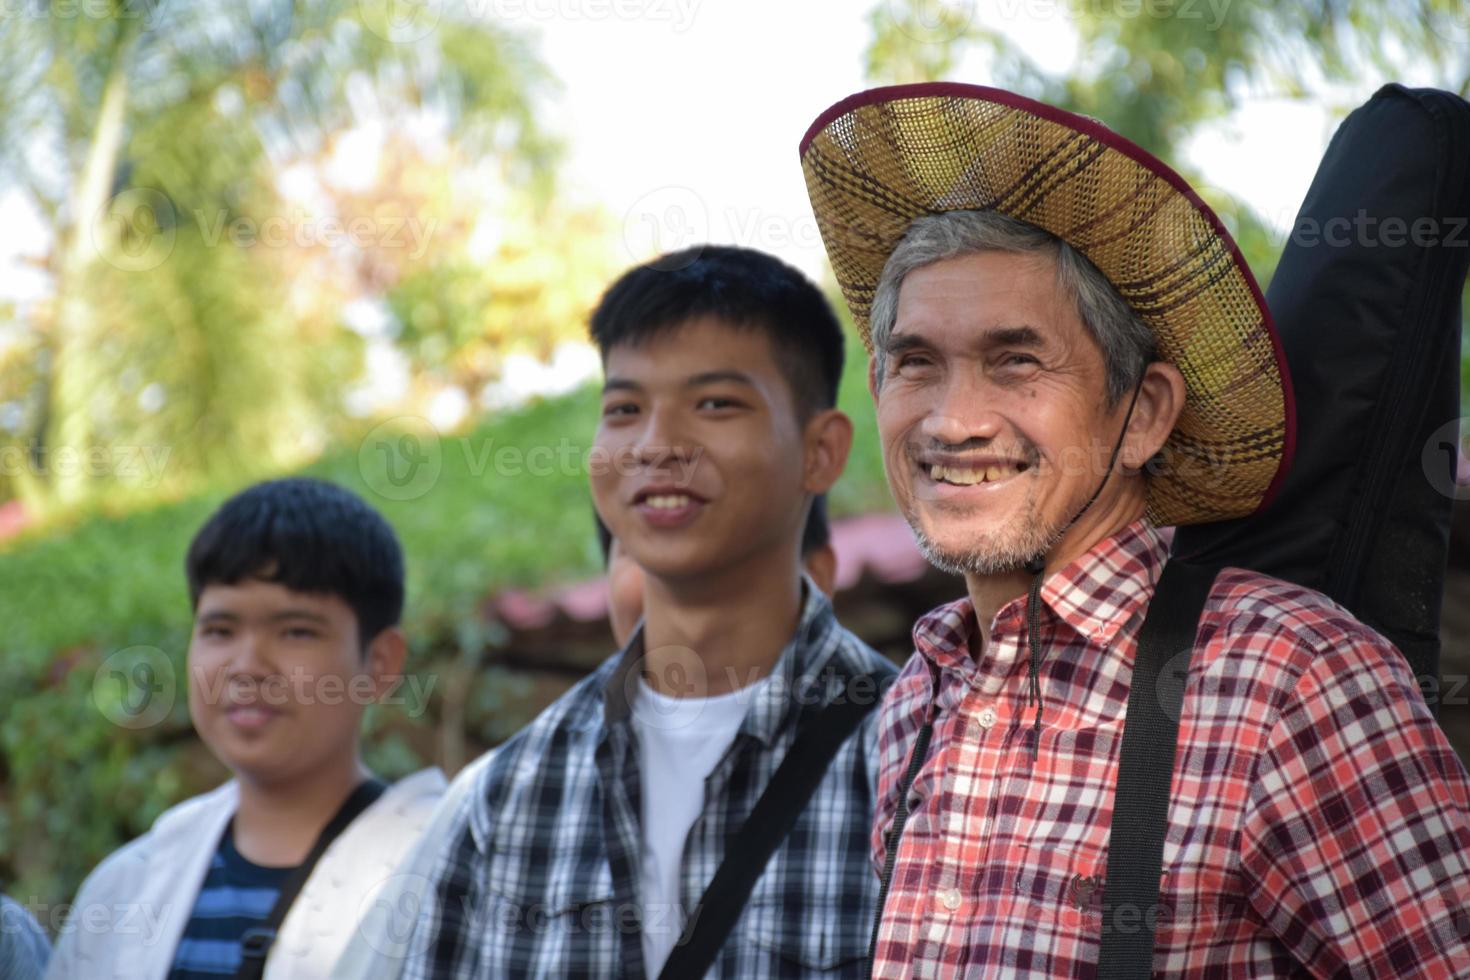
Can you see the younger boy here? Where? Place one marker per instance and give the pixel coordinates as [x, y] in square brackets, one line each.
[297, 588]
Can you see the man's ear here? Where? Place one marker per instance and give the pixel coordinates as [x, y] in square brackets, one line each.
[1160, 400]
[828, 440]
[385, 657]
[873, 379]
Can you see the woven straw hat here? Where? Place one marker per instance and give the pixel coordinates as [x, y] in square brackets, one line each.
[877, 160]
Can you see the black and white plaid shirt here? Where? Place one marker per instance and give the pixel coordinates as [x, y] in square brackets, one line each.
[539, 874]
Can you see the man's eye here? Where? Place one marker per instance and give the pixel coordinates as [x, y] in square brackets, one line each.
[301, 633]
[1019, 359]
[214, 632]
[912, 361]
[717, 403]
[619, 408]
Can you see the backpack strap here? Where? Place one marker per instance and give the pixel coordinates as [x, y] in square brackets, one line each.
[770, 821]
[256, 943]
[1146, 771]
[895, 833]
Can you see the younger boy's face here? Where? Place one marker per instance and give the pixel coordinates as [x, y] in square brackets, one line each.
[277, 680]
[702, 458]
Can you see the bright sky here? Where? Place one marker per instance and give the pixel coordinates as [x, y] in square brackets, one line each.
[683, 116]
[687, 118]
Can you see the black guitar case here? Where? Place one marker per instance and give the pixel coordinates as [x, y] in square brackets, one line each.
[1367, 299]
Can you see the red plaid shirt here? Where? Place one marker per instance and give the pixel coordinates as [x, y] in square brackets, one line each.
[1320, 822]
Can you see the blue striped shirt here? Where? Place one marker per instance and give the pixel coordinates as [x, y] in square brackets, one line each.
[237, 894]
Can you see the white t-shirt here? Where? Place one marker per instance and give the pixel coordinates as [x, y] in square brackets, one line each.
[679, 742]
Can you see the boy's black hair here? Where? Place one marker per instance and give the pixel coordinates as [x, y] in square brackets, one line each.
[745, 288]
[816, 534]
[604, 537]
[309, 536]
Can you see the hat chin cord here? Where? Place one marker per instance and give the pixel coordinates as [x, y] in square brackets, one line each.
[1036, 566]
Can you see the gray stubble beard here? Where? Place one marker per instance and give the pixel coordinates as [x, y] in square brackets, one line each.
[992, 555]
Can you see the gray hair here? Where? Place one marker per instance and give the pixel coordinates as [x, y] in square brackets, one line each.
[1126, 341]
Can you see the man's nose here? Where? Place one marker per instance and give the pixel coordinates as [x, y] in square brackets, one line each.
[664, 439]
[962, 413]
[250, 655]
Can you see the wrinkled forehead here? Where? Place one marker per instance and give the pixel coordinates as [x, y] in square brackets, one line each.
[984, 300]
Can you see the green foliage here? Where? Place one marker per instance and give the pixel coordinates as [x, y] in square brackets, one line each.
[459, 316]
[196, 309]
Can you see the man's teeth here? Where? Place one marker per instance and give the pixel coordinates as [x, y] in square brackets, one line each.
[970, 477]
[668, 501]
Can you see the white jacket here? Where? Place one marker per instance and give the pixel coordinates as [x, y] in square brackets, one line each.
[132, 909]
[388, 927]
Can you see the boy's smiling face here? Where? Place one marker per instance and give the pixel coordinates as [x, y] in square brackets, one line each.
[708, 463]
[278, 680]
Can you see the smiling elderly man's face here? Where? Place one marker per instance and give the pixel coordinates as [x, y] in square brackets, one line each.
[992, 409]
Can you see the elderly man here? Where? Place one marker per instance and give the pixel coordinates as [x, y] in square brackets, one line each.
[1068, 351]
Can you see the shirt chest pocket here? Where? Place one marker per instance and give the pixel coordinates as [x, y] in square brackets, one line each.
[828, 936]
[1056, 878]
[539, 891]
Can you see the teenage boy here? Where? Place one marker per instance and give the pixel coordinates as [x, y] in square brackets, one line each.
[625, 578]
[388, 924]
[297, 587]
[589, 840]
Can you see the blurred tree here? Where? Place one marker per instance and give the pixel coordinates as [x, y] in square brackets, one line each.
[506, 273]
[1156, 70]
[197, 289]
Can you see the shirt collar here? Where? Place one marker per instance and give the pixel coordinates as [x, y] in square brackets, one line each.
[1095, 594]
[795, 680]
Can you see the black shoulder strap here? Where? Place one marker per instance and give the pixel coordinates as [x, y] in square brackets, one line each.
[769, 822]
[895, 833]
[255, 944]
[1146, 771]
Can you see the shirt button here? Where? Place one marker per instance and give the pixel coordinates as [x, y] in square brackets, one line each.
[986, 719]
[950, 899]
